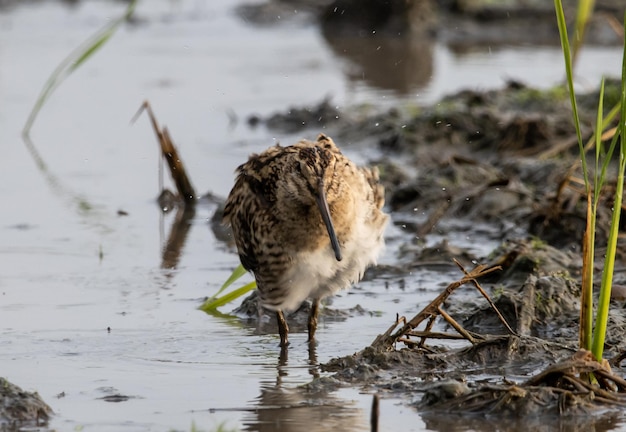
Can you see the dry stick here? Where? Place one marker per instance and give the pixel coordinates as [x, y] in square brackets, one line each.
[387, 339]
[601, 392]
[177, 169]
[456, 325]
[375, 414]
[577, 366]
[429, 327]
[575, 382]
[486, 296]
[431, 335]
[619, 381]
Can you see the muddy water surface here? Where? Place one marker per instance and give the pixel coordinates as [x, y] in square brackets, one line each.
[92, 315]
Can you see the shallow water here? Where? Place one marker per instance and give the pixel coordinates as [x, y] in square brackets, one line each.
[71, 266]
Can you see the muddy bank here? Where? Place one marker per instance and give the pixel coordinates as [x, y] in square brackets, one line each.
[20, 409]
[506, 160]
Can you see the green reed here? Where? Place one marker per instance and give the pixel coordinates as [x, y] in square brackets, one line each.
[74, 60]
[212, 303]
[592, 337]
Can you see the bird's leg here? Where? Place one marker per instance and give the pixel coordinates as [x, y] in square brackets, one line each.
[315, 309]
[283, 328]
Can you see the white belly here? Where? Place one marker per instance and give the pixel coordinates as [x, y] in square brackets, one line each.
[318, 274]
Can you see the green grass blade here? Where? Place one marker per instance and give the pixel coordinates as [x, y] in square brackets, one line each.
[234, 276]
[602, 315]
[214, 303]
[74, 60]
[584, 11]
[586, 308]
[598, 180]
[560, 18]
[622, 124]
[608, 157]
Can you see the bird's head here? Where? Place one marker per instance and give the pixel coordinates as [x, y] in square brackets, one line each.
[310, 182]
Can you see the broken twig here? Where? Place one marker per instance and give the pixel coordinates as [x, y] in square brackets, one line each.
[170, 154]
[431, 311]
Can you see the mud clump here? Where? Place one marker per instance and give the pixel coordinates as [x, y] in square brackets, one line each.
[299, 118]
[20, 409]
[506, 160]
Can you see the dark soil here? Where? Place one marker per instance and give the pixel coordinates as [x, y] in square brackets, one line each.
[506, 159]
[20, 409]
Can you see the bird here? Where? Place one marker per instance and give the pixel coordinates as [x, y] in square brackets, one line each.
[306, 222]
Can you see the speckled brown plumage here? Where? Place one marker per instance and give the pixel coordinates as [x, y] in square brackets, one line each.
[307, 222]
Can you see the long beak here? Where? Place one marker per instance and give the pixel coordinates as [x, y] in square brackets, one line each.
[322, 204]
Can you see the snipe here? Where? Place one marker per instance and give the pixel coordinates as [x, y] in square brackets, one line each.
[307, 222]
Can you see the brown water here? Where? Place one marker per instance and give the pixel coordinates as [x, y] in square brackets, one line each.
[70, 266]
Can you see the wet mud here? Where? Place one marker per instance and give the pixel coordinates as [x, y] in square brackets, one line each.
[21, 409]
[506, 160]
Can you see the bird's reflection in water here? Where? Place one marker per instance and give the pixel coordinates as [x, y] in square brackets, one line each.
[308, 408]
[299, 409]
